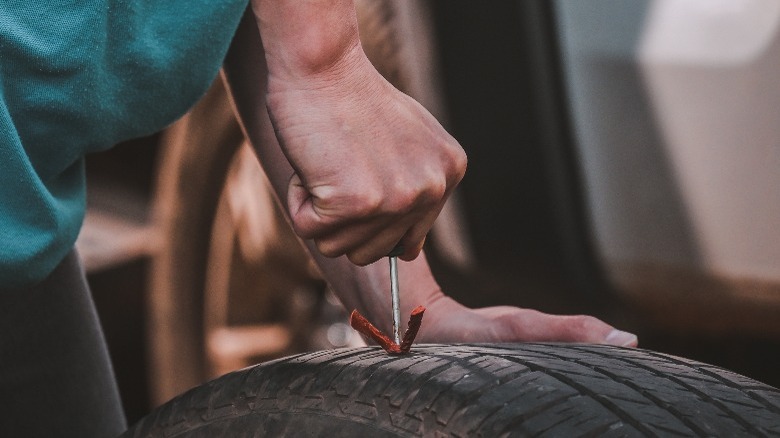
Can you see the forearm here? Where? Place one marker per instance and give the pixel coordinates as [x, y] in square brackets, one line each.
[306, 37]
[364, 288]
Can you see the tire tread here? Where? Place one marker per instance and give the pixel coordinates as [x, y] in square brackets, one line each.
[475, 390]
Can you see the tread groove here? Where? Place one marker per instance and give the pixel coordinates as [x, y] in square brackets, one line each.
[656, 401]
[748, 390]
[713, 401]
[612, 407]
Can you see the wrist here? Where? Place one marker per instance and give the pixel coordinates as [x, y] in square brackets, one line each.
[308, 38]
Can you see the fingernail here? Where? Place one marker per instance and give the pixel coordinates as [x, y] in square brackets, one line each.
[620, 338]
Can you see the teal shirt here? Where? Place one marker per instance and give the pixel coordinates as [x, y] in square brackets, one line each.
[79, 76]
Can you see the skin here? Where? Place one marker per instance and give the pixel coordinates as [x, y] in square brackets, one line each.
[359, 167]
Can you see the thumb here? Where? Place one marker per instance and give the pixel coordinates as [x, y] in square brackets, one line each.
[301, 208]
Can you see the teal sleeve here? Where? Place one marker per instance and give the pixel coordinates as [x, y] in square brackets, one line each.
[79, 77]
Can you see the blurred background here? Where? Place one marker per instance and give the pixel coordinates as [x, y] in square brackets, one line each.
[624, 160]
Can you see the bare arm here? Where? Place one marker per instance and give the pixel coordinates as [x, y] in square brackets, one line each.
[372, 167]
[364, 288]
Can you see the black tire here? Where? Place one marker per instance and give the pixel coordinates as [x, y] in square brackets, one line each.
[473, 390]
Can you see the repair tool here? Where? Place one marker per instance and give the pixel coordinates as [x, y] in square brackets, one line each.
[394, 295]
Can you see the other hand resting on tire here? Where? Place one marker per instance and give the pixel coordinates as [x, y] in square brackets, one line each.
[446, 320]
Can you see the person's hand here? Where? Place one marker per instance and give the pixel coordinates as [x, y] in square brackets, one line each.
[448, 321]
[369, 168]
[372, 167]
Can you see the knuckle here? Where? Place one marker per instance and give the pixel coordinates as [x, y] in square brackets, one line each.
[405, 196]
[581, 323]
[328, 249]
[366, 203]
[432, 192]
[459, 161]
[437, 190]
[425, 191]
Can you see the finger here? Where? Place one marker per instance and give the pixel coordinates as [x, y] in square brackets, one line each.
[300, 207]
[367, 242]
[396, 251]
[584, 328]
[363, 243]
[349, 239]
[373, 243]
[371, 239]
[414, 239]
[375, 248]
[534, 326]
[310, 220]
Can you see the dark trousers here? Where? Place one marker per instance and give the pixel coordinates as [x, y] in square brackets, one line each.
[55, 376]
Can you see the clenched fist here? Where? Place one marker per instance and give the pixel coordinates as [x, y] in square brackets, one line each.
[372, 167]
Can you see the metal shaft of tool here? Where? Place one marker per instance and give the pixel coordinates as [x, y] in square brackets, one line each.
[395, 298]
